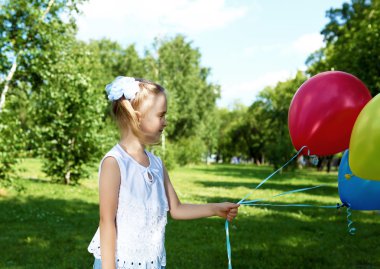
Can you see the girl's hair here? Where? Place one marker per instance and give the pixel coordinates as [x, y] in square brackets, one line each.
[124, 111]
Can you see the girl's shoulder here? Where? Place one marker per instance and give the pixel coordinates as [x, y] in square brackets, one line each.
[113, 152]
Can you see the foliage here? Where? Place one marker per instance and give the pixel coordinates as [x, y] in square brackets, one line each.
[208, 131]
[260, 132]
[27, 36]
[352, 43]
[189, 150]
[175, 64]
[69, 122]
[23, 33]
[11, 143]
[231, 132]
[117, 60]
[166, 151]
[273, 105]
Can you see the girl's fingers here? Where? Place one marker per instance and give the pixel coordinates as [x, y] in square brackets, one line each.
[232, 215]
[233, 206]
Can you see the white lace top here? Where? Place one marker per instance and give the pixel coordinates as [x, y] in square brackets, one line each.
[141, 214]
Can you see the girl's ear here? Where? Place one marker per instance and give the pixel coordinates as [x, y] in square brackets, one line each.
[139, 115]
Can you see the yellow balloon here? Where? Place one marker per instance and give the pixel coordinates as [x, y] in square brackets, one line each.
[364, 158]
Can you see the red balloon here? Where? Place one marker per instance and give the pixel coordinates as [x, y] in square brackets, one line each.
[323, 112]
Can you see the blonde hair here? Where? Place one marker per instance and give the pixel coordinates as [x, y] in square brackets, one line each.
[124, 111]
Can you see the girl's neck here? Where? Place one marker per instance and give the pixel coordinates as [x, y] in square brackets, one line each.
[131, 143]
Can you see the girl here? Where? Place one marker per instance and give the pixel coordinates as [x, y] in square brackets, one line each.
[135, 191]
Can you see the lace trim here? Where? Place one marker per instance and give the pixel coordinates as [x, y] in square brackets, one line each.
[136, 262]
[141, 237]
[129, 264]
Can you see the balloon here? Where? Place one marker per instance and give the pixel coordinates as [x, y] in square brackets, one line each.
[323, 112]
[361, 194]
[365, 142]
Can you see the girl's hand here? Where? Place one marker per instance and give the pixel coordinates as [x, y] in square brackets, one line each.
[226, 210]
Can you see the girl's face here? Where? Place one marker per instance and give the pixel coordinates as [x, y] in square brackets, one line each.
[152, 121]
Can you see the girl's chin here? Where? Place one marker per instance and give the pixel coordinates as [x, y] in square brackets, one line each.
[155, 140]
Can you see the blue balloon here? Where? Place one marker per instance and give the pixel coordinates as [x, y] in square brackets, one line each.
[360, 194]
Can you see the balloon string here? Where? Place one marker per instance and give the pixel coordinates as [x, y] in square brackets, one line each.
[252, 203]
[295, 205]
[281, 194]
[351, 230]
[314, 160]
[275, 172]
[228, 245]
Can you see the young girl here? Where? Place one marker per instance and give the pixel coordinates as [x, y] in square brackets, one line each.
[135, 191]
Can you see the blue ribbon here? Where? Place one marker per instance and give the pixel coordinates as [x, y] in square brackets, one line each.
[275, 172]
[245, 197]
[314, 160]
[280, 194]
[351, 230]
[296, 205]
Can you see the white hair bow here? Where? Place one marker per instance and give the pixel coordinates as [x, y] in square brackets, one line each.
[126, 86]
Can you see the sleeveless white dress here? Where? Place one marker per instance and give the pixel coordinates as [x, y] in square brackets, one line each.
[141, 214]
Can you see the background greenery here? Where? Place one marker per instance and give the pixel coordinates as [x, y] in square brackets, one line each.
[56, 108]
[50, 225]
[55, 126]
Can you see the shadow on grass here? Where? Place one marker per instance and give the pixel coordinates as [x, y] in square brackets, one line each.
[51, 233]
[258, 173]
[239, 171]
[54, 233]
[282, 239]
[286, 238]
[280, 188]
[46, 233]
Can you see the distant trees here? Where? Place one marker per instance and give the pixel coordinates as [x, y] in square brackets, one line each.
[175, 64]
[56, 109]
[260, 132]
[352, 43]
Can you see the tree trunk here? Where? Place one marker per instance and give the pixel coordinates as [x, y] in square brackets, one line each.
[14, 65]
[67, 177]
[7, 82]
[68, 173]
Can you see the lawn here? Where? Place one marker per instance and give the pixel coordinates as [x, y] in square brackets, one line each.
[50, 225]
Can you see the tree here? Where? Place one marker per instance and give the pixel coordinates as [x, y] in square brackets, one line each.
[29, 32]
[352, 43]
[69, 113]
[272, 108]
[190, 96]
[175, 64]
[25, 30]
[11, 137]
[231, 132]
[119, 61]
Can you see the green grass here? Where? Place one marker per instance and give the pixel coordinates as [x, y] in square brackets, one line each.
[50, 225]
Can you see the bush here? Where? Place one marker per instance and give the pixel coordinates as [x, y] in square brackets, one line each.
[189, 150]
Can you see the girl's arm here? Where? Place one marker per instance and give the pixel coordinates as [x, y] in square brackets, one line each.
[195, 211]
[109, 184]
